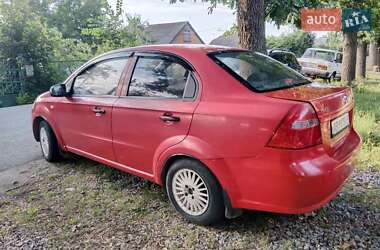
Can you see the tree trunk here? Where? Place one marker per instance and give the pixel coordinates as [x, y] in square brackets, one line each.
[361, 54]
[349, 56]
[373, 58]
[251, 24]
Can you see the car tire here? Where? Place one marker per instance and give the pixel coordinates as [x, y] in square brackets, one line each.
[194, 192]
[48, 143]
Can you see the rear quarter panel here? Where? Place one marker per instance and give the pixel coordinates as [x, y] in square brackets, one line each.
[238, 128]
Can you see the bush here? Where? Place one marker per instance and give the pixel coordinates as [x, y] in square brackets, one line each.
[296, 42]
[24, 98]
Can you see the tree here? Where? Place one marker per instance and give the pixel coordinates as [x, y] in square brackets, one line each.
[251, 16]
[251, 24]
[333, 40]
[374, 38]
[361, 54]
[296, 42]
[349, 56]
[374, 57]
[30, 34]
[26, 40]
[84, 20]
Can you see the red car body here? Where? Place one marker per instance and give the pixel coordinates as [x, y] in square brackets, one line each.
[228, 127]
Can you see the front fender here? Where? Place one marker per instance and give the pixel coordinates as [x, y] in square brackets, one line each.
[42, 110]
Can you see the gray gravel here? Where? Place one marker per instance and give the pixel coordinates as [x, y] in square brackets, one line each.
[348, 222]
[21, 239]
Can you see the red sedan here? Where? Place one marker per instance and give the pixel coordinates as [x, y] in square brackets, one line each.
[221, 129]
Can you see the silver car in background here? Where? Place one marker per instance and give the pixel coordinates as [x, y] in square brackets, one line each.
[322, 63]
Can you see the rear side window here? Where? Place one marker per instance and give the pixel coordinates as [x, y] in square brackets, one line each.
[339, 58]
[101, 78]
[258, 72]
[160, 77]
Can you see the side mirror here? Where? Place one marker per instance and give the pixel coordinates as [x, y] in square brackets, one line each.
[58, 90]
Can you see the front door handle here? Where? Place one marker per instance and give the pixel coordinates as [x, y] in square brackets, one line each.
[168, 117]
[98, 111]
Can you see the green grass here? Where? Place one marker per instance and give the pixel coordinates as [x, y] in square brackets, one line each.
[367, 122]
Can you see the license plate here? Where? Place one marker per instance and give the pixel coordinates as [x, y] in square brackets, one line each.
[339, 124]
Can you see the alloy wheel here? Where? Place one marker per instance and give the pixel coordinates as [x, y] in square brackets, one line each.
[190, 192]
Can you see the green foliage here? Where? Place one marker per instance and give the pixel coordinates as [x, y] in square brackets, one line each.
[25, 38]
[296, 42]
[367, 123]
[42, 32]
[333, 40]
[24, 98]
[278, 11]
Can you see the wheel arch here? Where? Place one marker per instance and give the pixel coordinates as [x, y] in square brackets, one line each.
[230, 212]
[176, 157]
[36, 125]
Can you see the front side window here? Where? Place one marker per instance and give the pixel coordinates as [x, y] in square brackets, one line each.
[158, 77]
[101, 78]
[257, 71]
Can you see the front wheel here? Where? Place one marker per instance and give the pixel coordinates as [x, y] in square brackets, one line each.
[48, 143]
[194, 192]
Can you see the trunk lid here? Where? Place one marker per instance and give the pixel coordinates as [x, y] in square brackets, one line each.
[329, 103]
[312, 62]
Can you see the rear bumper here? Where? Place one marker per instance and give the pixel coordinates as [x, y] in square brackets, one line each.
[289, 181]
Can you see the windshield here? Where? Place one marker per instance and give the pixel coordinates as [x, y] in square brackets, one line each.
[258, 72]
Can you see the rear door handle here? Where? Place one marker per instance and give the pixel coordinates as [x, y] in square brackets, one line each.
[168, 117]
[98, 110]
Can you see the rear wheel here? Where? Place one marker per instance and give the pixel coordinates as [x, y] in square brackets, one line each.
[194, 192]
[48, 142]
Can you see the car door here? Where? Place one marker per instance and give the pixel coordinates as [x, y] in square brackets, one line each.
[155, 111]
[84, 117]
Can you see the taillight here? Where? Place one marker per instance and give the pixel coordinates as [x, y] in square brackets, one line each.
[299, 129]
[322, 66]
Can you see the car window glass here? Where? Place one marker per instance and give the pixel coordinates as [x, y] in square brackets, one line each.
[339, 58]
[309, 53]
[191, 88]
[285, 58]
[100, 79]
[158, 77]
[259, 71]
[324, 55]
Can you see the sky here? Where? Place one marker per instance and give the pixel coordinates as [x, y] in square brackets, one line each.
[208, 26]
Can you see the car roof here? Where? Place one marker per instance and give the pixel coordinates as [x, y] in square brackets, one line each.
[176, 48]
[270, 51]
[327, 50]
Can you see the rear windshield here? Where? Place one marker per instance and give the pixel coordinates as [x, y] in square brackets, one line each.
[258, 72]
[319, 54]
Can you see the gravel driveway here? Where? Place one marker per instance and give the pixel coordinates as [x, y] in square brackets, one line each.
[83, 204]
